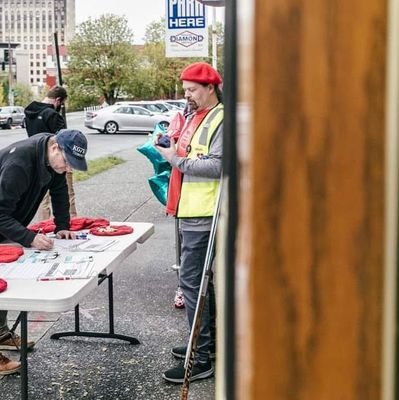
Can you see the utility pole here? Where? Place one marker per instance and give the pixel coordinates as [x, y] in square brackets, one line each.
[213, 4]
[214, 40]
[60, 81]
[10, 57]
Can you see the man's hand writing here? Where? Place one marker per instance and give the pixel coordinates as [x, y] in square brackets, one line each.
[42, 242]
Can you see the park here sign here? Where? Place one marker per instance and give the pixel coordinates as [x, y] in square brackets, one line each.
[186, 29]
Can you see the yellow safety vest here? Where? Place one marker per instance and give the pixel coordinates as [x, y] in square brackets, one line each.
[198, 194]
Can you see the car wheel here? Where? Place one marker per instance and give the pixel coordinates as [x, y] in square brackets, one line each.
[111, 127]
[9, 123]
[164, 124]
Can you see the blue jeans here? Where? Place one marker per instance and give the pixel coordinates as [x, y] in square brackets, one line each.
[194, 246]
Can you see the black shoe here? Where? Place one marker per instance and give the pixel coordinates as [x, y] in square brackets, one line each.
[180, 352]
[200, 371]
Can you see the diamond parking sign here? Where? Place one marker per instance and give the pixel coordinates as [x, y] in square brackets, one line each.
[186, 29]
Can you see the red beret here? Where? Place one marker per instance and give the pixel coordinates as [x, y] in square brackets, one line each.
[201, 72]
[111, 230]
[10, 253]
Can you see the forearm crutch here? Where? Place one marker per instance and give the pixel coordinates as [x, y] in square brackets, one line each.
[206, 276]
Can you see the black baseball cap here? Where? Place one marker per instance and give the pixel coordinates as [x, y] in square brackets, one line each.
[74, 145]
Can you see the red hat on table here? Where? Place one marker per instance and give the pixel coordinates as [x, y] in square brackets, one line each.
[201, 72]
[3, 285]
[10, 253]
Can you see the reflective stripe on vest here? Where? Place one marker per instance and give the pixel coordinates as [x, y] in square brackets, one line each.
[198, 194]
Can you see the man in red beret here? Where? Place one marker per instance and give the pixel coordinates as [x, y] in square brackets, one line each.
[196, 161]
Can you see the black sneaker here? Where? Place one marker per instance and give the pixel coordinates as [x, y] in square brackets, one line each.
[180, 352]
[200, 371]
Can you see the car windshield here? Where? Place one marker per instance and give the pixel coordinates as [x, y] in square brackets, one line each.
[5, 110]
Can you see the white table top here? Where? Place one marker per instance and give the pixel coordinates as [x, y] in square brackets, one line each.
[58, 296]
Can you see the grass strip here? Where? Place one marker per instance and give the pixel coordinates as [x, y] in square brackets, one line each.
[96, 166]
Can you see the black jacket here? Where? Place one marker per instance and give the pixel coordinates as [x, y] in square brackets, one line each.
[25, 178]
[42, 117]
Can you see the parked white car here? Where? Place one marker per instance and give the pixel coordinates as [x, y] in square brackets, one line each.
[12, 115]
[153, 106]
[178, 103]
[124, 118]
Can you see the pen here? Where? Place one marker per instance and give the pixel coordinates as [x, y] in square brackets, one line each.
[60, 278]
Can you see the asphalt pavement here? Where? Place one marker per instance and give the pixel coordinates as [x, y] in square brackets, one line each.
[144, 289]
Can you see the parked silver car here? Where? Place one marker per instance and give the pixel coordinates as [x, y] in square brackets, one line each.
[178, 103]
[11, 115]
[124, 117]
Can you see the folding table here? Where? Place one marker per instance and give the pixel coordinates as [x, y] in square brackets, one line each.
[26, 295]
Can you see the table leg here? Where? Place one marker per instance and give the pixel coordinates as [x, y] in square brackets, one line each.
[111, 334]
[24, 355]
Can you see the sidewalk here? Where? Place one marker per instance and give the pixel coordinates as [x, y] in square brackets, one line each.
[144, 288]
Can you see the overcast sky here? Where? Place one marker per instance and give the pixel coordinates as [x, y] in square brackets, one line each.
[138, 12]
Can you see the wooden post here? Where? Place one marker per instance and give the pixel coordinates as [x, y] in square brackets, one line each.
[310, 249]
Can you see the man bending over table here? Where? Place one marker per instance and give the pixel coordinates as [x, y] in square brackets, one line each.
[28, 169]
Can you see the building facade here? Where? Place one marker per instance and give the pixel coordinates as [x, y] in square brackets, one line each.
[32, 24]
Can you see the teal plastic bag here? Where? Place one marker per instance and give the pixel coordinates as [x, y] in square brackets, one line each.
[159, 185]
[159, 163]
[160, 181]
